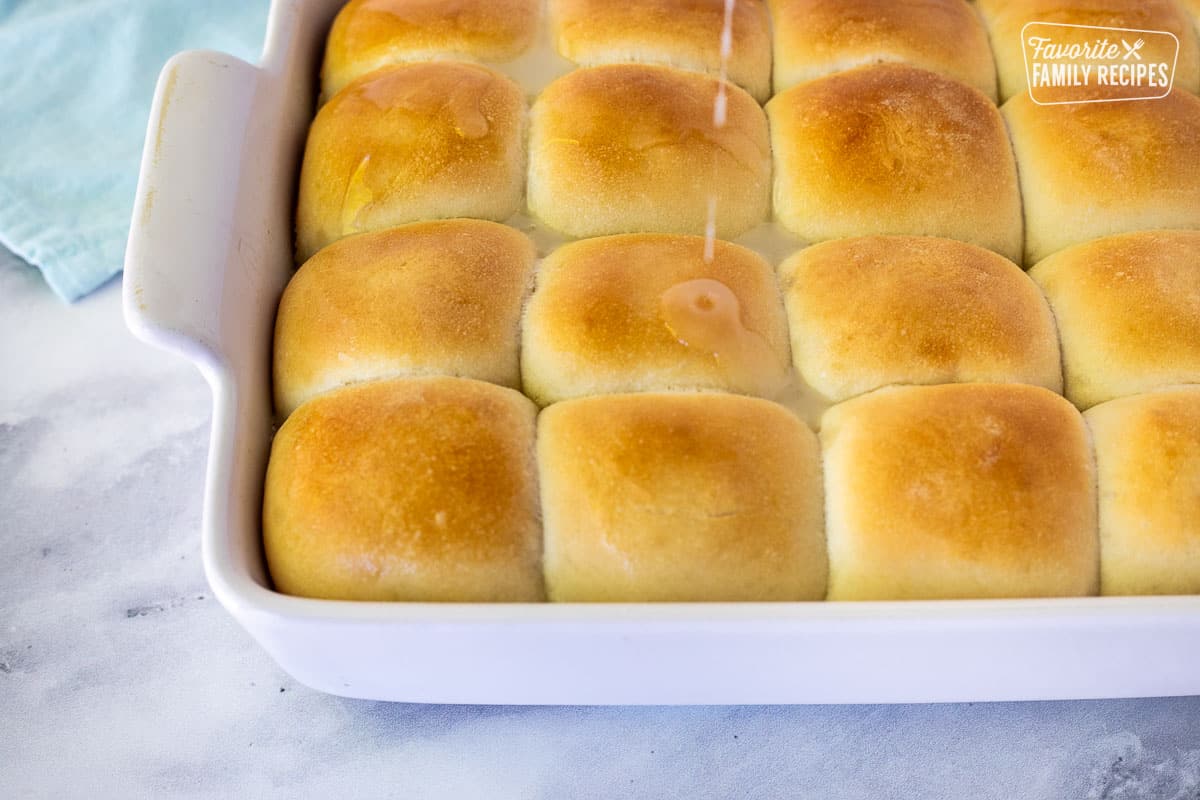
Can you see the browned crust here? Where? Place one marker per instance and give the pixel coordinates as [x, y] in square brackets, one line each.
[878, 310]
[818, 37]
[427, 298]
[1128, 310]
[967, 490]
[678, 33]
[633, 148]
[892, 149]
[1148, 459]
[413, 489]
[369, 34]
[680, 497]
[1004, 20]
[410, 143]
[596, 322]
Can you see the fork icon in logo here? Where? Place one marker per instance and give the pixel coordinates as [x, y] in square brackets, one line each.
[1132, 49]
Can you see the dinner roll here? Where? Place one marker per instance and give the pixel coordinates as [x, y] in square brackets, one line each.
[632, 148]
[1128, 310]
[368, 34]
[425, 298]
[688, 34]
[1004, 20]
[1094, 169]
[410, 143]
[409, 489]
[892, 149]
[817, 37]
[648, 312]
[878, 310]
[1193, 6]
[679, 497]
[1148, 462]
[959, 491]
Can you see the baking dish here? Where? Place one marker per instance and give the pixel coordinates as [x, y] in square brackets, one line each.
[209, 252]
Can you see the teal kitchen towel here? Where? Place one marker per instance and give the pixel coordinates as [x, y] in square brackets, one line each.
[76, 81]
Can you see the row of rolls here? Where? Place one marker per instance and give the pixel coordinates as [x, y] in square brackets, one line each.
[644, 143]
[647, 312]
[763, 47]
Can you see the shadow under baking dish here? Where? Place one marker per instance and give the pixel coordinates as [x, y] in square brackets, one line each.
[210, 250]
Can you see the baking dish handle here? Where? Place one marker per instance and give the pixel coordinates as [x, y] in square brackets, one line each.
[174, 265]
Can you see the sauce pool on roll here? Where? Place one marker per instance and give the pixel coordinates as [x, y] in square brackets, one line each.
[706, 315]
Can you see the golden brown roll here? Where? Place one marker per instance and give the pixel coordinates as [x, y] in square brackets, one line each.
[1090, 170]
[877, 310]
[369, 34]
[422, 299]
[631, 148]
[1193, 6]
[1128, 310]
[893, 149]
[959, 491]
[678, 33]
[1148, 463]
[817, 37]
[1004, 20]
[410, 489]
[411, 143]
[680, 497]
[648, 312]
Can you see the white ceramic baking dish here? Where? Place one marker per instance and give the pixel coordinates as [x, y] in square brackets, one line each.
[210, 251]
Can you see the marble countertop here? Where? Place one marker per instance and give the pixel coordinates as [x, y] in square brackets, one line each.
[121, 676]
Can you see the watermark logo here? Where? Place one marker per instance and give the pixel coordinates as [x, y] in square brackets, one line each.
[1091, 64]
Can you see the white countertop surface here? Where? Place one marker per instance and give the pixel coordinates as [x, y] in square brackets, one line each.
[121, 676]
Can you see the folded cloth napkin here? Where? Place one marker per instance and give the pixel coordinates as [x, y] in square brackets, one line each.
[76, 81]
